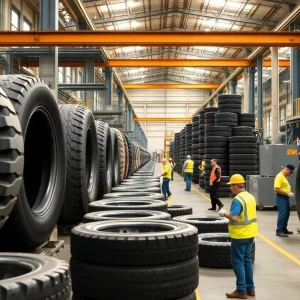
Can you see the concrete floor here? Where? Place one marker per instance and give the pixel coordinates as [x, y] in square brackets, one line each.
[277, 265]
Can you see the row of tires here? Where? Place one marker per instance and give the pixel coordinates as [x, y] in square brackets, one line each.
[55, 160]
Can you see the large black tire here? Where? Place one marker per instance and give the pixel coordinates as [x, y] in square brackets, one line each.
[134, 243]
[122, 153]
[179, 210]
[12, 159]
[162, 282]
[146, 203]
[191, 296]
[140, 195]
[44, 178]
[136, 215]
[82, 163]
[243, 145]
[116, 167]
[130, 154]
[205, 224]
[29, 276]
[214, 251]
[105, 159]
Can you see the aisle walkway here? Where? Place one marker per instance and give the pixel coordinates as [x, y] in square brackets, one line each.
[277, 265]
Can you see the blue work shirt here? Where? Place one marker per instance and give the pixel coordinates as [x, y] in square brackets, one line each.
[236, 208]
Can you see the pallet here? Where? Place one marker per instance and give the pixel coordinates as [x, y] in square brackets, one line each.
[50, 248]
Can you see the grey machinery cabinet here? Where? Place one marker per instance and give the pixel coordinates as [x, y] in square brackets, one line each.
[271, 160]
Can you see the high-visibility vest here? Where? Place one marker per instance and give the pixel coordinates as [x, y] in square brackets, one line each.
[202, 166]
[246, 225]
[189, 167]
[213, 174]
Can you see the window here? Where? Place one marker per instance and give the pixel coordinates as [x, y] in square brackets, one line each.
[97, 101]
[68, 73]
[269, 124]
[27, 26]
[282, 115]
[15, 19]
[80, 80]
[61, 75]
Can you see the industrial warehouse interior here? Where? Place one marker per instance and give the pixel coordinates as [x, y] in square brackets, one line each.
[149, 149]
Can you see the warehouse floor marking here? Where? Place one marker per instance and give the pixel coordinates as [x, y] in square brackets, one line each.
[265, 239]
[197, 295]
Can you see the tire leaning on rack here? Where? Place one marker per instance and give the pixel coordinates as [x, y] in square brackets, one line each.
[116, 166]
[82, 154]
[12, 159]
[122, 153]
[105, 159]
[44, 178]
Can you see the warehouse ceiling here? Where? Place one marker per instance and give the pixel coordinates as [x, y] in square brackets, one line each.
[181, 15]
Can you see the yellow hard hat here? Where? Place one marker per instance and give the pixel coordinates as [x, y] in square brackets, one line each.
[170, 158]
[236, 179]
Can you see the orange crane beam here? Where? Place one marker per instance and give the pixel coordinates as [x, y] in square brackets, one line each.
[161, 119]
[209, 86]
[163, 63]
[149, 38]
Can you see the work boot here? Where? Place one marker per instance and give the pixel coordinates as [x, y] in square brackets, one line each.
[281, 234]
[212, 208]
[288, 232]
[221, 206]
[237, 295]
[251, 293]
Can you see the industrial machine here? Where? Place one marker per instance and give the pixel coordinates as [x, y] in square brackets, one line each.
[271, 160]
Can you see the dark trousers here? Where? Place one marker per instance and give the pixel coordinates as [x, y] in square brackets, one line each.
[165, 188]
[213, 195]
[241, 252]
[172, 175]
[283, 205]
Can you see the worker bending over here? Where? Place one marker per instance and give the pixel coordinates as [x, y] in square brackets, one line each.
[283, 193]
[242, 228]
[187, 172]
[167, 171]
[214, 182]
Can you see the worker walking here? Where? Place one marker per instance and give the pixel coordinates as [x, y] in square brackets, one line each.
[242, 228]
[202, 169]
[187, 172]
[166, 178]
[283, 193]
[173, 165]
[214, 182]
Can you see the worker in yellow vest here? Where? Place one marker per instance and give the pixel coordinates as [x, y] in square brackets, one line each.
[242, 230]
[202, 169]
[187, 172]
[283, 193]
[166, 173]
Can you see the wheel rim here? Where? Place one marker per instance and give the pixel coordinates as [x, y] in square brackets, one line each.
[40, 165]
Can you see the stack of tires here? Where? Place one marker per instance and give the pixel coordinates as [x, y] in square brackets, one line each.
[130, 259]
[243, 155]
[70, 161]
[246, 119]
[230, 103]
[195, 148]
[188, 139]
[182, 149]
[177, 151]
[201, 140]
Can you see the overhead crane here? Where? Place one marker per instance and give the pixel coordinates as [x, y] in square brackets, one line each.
[150, 38]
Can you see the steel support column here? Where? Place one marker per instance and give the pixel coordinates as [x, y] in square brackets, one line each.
[109, 80]
[246, 91]
[48, 64]
[120, 104]
[90, 78]
[260, 91]
[275, 94]
[251, 90]
[233, 86]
